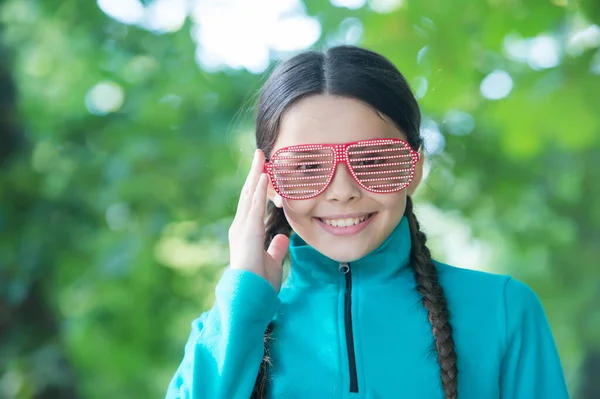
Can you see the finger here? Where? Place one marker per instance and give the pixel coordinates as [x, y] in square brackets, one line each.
[279, 248]
[249, 187]
[259, 200]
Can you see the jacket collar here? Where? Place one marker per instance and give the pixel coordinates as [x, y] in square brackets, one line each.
[309, 266]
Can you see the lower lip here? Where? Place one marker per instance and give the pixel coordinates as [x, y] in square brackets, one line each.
[346, 231]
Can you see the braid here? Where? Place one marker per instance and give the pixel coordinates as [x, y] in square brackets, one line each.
[433, 298]
[260, 386]
[276, 224]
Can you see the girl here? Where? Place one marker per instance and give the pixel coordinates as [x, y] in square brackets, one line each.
[365, 311]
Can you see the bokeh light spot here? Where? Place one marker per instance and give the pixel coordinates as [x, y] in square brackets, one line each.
[125, 11]
[351, 4]
[540, 52]
[285, 35]
[458, 123]
[421, 86]
[545, 53]
[496, 85]
[105, 97]
[433, 138]
[353, 30]
[385, 6]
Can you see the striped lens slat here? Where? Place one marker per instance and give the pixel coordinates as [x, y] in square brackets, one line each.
[382, 167]
[302, 172]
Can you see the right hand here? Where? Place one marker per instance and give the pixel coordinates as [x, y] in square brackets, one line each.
[247, 232]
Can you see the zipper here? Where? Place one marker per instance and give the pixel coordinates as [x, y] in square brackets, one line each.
[344, 269]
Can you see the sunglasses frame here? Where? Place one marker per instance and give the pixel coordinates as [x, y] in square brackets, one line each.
[340, 155]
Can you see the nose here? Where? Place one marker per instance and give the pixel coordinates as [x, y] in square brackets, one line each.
[343, 187]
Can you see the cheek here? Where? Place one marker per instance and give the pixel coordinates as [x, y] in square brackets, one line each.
[397, 201]
[393, 202]
[300, 211]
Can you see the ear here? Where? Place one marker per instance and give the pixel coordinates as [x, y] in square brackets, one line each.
[418, 173]
[274, 197]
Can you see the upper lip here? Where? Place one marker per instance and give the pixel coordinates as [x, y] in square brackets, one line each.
[346, 215]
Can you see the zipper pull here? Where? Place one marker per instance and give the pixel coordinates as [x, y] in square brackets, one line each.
[344, 268]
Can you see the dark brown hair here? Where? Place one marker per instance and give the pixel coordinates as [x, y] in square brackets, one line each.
[364, 75]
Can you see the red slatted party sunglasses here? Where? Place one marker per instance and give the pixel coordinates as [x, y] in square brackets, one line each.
[383, 165]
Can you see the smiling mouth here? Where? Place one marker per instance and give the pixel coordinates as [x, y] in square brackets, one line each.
[346, 222]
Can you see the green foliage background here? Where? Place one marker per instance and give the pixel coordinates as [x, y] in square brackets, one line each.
[113, 228]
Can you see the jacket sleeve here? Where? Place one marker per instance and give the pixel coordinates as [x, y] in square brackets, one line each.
[225, 348]
[531, 367]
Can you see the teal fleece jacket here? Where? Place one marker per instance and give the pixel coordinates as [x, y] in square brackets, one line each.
[365, 333]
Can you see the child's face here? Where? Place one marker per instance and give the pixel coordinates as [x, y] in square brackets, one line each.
[333, 119]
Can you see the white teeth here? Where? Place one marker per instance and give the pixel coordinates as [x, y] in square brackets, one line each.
[345, 222]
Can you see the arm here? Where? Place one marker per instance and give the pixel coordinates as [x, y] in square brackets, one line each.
[225, 347]
[531, 367]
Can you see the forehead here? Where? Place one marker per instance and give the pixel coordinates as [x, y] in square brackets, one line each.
[327, 119]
